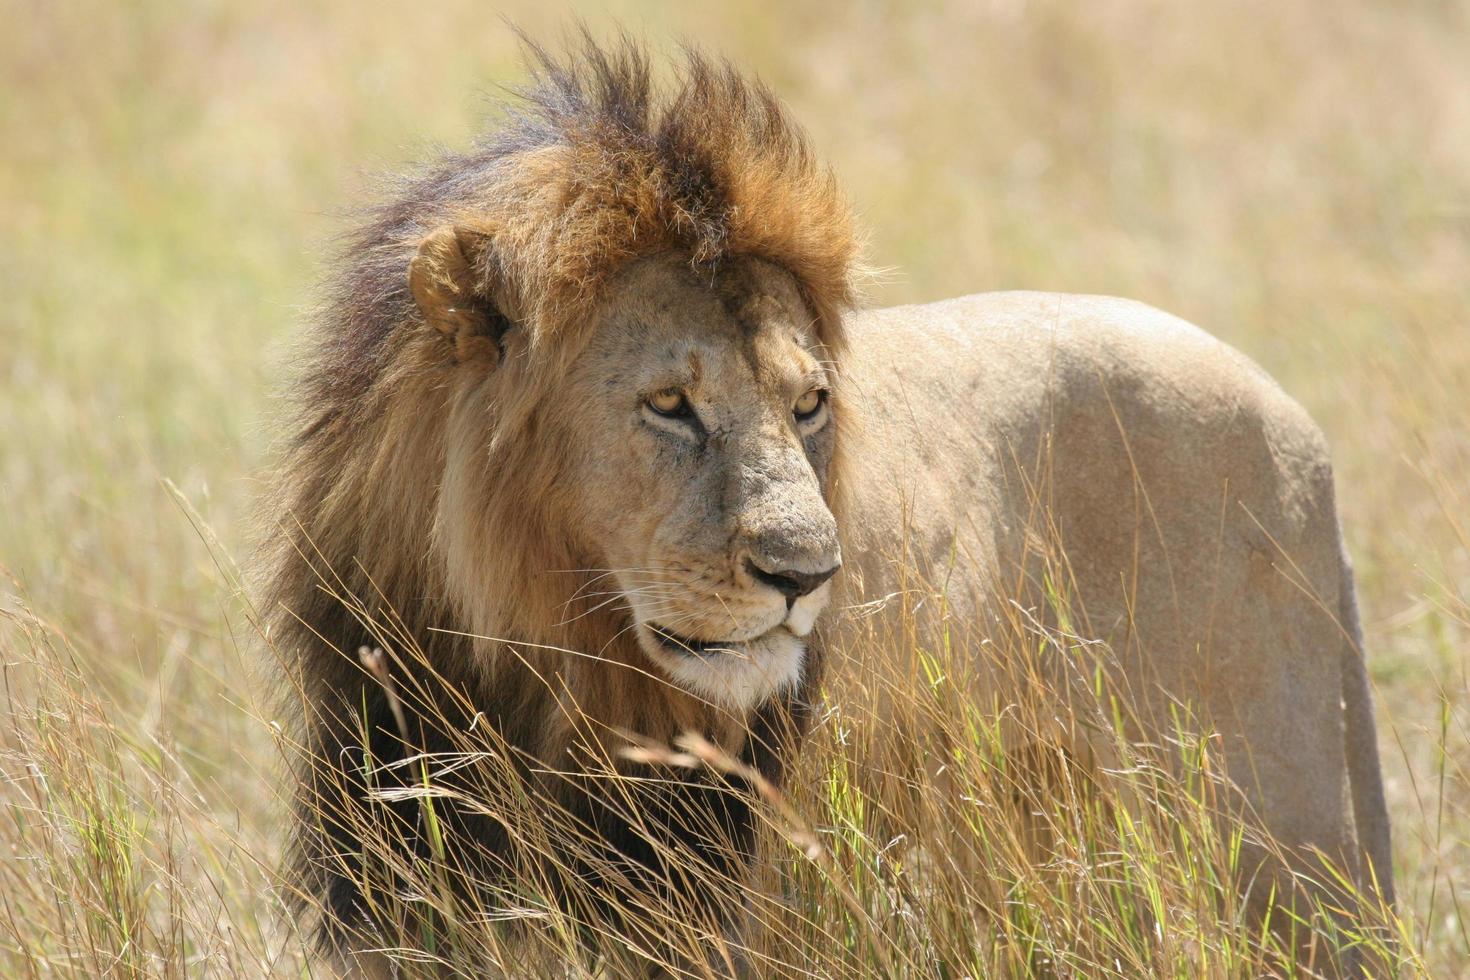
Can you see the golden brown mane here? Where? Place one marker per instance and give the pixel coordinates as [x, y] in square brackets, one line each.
[592, 170]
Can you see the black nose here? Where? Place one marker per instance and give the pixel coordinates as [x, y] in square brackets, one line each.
[792, 584]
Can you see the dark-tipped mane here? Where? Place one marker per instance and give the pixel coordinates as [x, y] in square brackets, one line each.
[593, 167]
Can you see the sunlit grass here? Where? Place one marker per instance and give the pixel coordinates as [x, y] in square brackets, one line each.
[1294, 177]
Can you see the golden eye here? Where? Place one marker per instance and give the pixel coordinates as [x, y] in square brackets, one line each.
[806, 406]
[670, 401]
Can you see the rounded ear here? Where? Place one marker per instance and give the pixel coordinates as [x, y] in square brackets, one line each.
[446, 284]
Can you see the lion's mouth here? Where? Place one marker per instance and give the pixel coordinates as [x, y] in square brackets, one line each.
[739, 674]
[688, 647]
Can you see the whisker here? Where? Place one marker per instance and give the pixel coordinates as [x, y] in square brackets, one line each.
[653, 591]
[615, 596]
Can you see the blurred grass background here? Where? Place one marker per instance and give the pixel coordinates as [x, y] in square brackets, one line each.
[1295, 177]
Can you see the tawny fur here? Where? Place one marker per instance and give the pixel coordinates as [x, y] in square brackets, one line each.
[592, 172]
[510, 251]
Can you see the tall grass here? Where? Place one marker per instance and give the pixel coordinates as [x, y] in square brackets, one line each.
[1294, 177]
[925, 833]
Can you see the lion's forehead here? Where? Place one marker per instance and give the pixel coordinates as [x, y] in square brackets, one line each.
[783, 357]
[669, 328]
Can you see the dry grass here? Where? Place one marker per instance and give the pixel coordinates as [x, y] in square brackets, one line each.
[1294, 177]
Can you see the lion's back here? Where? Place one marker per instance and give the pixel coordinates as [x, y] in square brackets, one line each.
[1130, 423]
[1190, 497]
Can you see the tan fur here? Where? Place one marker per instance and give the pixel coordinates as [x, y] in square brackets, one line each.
[1179, 502]
[715, 174]
[457, 497]
[475, 457]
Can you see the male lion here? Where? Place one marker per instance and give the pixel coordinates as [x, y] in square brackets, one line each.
[590, 427]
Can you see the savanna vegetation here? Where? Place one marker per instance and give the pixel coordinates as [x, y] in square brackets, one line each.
[1295, 177]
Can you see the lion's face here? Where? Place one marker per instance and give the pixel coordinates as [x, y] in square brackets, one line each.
[701, 426]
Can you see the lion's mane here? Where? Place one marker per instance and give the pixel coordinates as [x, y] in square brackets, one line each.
[592, 169]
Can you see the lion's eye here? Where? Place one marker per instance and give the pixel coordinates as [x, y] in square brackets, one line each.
[809, 404]
[670, 402]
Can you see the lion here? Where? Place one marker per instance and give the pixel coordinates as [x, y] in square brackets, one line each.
[597, 447]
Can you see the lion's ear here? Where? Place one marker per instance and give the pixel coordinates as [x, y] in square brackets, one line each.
[446, 284]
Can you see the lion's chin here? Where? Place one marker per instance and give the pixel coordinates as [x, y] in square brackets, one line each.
[740, 676]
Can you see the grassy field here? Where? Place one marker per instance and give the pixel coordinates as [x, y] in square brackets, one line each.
[1294, 177]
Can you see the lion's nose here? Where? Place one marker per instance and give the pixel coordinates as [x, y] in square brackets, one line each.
[789, 582]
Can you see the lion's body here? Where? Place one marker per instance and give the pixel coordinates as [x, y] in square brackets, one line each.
[1193, 500]
[585, 438]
